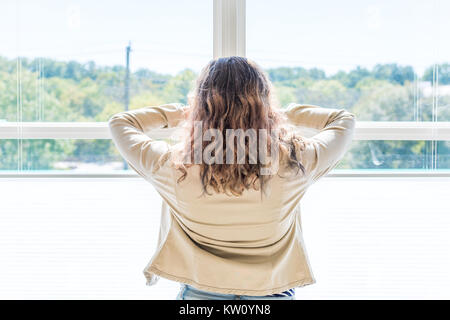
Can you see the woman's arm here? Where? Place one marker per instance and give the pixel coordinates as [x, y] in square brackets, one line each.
[324, 150]
[129, 131]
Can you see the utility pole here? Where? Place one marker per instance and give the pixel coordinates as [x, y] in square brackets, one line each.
[127, 88]
[127, 78]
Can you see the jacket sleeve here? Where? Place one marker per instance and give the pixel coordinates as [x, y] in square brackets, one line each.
[335, 133]
[129, 131]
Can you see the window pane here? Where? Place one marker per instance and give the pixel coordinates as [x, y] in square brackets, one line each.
[81, 155]
[381, 60]
[72, 64]
[443, 155]
[9, 154]
[443, 58]
[397, 155]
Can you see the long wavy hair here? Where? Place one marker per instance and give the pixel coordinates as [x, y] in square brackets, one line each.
[235, 93]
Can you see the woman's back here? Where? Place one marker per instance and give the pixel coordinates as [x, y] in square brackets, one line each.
[246, 221]
[226, 227]
[231, 244]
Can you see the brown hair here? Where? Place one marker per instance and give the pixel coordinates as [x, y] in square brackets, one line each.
[235, 93]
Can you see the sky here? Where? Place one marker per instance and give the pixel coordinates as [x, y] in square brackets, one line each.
[168, 36]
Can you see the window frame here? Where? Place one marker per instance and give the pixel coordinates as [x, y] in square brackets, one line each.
[364, 130]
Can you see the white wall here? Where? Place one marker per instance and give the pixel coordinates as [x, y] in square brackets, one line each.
[91, 238]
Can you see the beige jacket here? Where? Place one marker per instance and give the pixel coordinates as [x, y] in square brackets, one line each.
[234, 245]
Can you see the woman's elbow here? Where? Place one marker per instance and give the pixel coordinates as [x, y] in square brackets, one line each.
[351, 119]
[116, 119]
[115, 122]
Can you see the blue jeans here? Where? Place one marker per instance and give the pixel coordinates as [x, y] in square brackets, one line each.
[188, 292]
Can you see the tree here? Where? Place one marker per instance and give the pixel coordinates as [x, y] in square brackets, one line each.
[178, 87]
[444, 73]
[393, 73]
[351, 78]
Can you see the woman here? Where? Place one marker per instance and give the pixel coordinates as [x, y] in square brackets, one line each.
[230, 225]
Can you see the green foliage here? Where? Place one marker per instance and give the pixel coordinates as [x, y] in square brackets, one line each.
[178, 87]
[71, 91]
[393, 73]
[444, 73]
[351, 79]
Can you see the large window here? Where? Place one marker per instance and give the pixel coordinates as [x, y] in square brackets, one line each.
[79, 62]
[82, 61]
[63, 73]
[382, 60]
